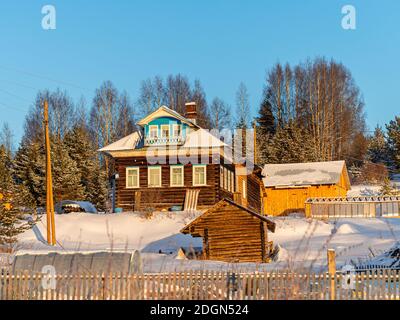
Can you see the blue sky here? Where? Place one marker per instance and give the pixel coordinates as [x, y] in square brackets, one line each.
[219, 42]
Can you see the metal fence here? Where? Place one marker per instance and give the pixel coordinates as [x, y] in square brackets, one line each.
[353, 207]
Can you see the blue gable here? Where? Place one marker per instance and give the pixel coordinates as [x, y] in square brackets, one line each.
[166, 121]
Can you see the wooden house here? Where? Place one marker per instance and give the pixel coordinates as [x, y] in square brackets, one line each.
[232, 233]
[287, 186]
[171, 161]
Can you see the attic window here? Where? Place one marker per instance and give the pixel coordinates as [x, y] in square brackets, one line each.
[153, 131]
[176, 130]
[165, 131]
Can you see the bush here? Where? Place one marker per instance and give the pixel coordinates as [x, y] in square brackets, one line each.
[372, 173]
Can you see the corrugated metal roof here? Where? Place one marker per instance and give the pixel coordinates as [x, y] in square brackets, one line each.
[301, 174]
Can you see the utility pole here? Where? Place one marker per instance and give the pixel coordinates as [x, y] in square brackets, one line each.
[51, 228]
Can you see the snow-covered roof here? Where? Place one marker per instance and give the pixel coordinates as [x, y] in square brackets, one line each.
[164, 111]
[300, 174]
[215, 208]
[202, 138]
[129, 142]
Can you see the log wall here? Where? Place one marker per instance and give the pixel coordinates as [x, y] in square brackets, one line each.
[234, 235]
[166, 196]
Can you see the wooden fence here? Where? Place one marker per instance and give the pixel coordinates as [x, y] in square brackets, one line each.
[382, 284]
[353, 207]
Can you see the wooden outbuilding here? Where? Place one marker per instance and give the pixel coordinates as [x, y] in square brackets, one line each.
[233, 233]
[288, 186]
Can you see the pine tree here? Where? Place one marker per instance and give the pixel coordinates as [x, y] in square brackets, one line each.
[389, 189]
[12, 221]
[93, 177]
[5, 169]
[29, 170]
[289, 145]
[378, 148]
[97, 187]
[265, 119]
[66, 175]
[393, 133]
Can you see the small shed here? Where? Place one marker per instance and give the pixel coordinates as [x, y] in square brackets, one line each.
[288, 186]
[232, 233]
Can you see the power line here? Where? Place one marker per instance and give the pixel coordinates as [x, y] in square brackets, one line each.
[14, 95]
[31, 74]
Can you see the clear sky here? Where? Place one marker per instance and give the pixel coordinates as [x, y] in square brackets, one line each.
[219, 42]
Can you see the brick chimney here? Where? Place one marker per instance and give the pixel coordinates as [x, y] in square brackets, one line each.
[191, 111]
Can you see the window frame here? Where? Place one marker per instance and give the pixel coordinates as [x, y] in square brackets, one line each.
[176, 125]
[148, 176]
[244, 188]
[204, 166]
[126, 177]
[152, 126]
[182, 168]
[161, 131]
[232, 174]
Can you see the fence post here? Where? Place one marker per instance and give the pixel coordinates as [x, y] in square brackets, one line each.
[332, 271]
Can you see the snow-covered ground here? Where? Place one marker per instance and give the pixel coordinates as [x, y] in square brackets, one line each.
[364, 190]
[303, 242]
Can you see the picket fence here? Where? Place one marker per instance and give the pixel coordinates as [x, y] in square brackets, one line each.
[369, 285]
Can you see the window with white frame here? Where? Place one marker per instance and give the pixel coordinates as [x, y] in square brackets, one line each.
[244, 188]
[225, 178]
[176, 130]
[232, 176]
[199, 175]
[221, 176]
[132, 177]
[153, 131]
[176, 176]
[165, 131]
[154, 176]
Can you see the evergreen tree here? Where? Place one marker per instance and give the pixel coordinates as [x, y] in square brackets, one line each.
[30, 170]
[289, 145]
[12, 221]
[97, 187]
[265, 119]
[377, 148]
[5, 170]
[93, 177]
[66, 175]
[389, 189]
[393, 133]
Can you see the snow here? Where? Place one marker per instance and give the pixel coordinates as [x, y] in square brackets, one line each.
[306, 241]
[202, 138]
[129, 142]
[389, 259]
[346, 229]
[295, 174]
[303, 242]
[130, 231]
[364, 190]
